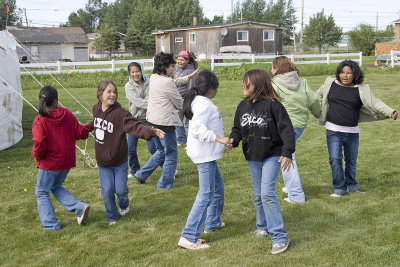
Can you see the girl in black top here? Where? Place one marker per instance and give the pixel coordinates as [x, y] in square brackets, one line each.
[264, 126]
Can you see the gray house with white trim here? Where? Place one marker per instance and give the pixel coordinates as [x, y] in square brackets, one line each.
[52, 44]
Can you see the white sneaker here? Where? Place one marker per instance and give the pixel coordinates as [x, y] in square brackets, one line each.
[184, 243]
[288, 200]
[130, 175]
[284, 190]
[122, 212]
[260, 233]
[81, 219]
[279, 248]
[222, 225]
[112, 223]
[336, 195]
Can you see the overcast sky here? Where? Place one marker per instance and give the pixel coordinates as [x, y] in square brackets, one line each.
[347, 14]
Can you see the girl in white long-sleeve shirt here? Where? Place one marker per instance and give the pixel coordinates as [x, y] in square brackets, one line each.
[205, 145]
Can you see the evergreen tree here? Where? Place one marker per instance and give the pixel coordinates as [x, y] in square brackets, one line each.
[109, 39]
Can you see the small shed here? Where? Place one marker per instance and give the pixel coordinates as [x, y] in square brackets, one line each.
[263, 38]
[52, 44]
[383, 49]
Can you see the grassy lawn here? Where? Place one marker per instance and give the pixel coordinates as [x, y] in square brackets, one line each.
[358, 229]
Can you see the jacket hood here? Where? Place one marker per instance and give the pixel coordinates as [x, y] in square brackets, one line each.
[56, 117]
[145, 79]
[98, 107]
[289, 79]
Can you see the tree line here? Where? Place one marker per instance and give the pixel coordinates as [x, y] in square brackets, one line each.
[138, 19]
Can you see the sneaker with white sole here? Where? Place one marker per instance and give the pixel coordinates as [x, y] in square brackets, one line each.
[130, 176]
[279, 248]
[200, 244]
[112, 223]
[122, 212]
[335, 195]
[85, 213]
[260, 233]
[289, 201]
[284, 190]
[222, 225]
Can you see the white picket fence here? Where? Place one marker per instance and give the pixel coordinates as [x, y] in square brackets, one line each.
[394, 58]
[67, 67]
[326, 58]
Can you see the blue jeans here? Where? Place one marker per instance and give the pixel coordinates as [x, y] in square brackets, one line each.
[52, 181]
[167, 156]
[209, 203]
[113, 181]
[181, 131]
[343, 182]
[132, 152]
[268, 213]
[292, 179]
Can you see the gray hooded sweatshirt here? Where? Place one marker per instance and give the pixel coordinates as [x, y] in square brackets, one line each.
[137, 96]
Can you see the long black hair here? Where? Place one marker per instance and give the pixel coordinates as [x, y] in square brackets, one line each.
[161, 63]
[205, 81]
[358, 75]
[262, 85]
[47, 95]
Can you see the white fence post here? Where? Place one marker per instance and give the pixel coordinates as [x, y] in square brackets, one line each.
[253, 59]
[360, 59]
[292, 58]
[59, 69]
[392, 58]
[327, 58]
[113, 65]
[212, 63]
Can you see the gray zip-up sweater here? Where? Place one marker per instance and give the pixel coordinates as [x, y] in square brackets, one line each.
[137, 97]
[184, 88]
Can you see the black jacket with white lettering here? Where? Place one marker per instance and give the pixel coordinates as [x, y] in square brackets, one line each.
[265, 129]
[110, 128]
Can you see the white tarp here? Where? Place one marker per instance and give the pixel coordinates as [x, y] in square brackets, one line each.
[10, 102]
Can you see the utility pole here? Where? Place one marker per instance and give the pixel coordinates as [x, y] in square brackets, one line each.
[294, 35]
[231, 11]
[301, 27]
[26, 18]
[376, 26]
[241, 11]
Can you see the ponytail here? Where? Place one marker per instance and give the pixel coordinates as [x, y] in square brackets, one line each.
[187, 103]
[47, 95]
[205, 81]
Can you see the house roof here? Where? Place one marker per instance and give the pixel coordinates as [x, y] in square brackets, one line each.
[396, 21]
[49, 35]
[223, 25]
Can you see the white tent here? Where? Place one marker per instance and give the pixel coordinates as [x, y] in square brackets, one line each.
[10, 87]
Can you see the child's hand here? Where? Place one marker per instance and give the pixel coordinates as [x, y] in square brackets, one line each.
[394, 115]
[286, 163]
[157, 132]
[194, 73]
[222, 140]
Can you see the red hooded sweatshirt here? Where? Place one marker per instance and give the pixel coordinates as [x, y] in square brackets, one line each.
[54, 138]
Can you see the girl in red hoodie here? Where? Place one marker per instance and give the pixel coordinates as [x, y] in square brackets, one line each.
[54, 131]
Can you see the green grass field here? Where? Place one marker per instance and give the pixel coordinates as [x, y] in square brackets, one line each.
[355, 230]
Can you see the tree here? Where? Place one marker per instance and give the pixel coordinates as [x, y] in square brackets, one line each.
[364, 37]
[282, 13]
[14, 17]
[322, 31]
[108, 40]
[88, 18]
[249, 10]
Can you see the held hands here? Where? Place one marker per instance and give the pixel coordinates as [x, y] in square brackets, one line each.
[157, 132]
[394, 115]
[286, 163]
[225, 141]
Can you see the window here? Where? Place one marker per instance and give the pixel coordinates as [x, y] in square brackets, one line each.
[268, 35]
[178, 39]
[192, 37]
[242, 36]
